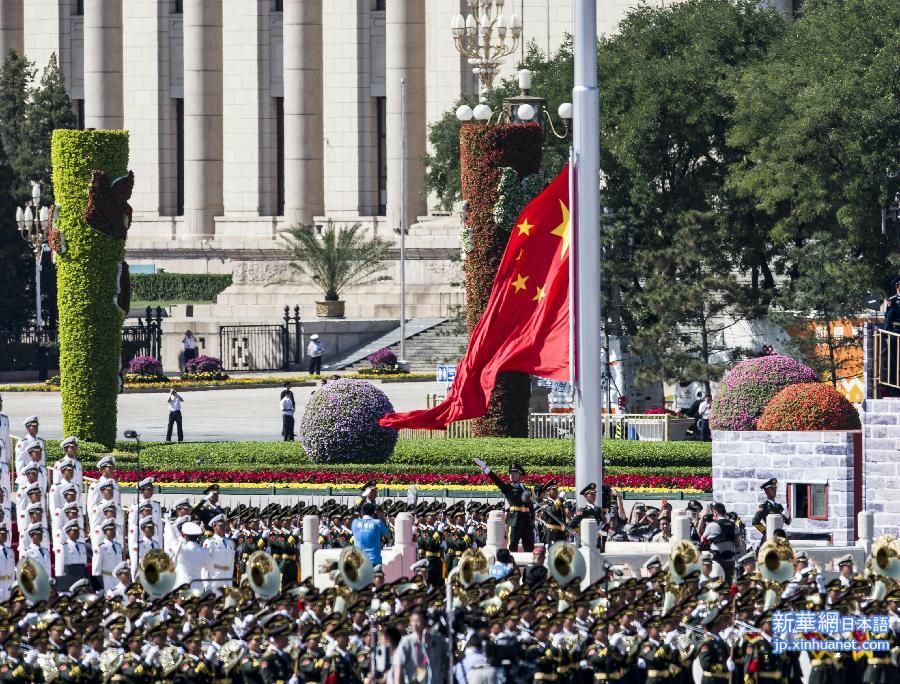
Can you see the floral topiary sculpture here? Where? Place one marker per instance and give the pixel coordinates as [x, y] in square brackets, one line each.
[340, 424]
[809, 406]
[747, 388]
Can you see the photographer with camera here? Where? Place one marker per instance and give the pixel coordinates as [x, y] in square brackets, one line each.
[719, 534]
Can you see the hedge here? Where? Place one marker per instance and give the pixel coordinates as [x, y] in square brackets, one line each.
[91, 274]
[189, 287]
[438, 455]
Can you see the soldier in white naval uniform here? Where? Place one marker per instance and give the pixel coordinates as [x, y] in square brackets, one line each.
[6, 506]
[194, 562]
[31, 437]
[221, 551]
[107, 555]
[7, 564]
[35, 517]
[106, 491]
[68, 513]
[33, 463]
[71, 558]
[70, 451]
[123, 580]
[36, 549]
[107, 466]
[110, 512]
[145, 545]
[56, 497]
[145, 506]
[6, 454]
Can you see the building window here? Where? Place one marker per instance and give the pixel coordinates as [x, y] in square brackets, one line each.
[378, 5]
[381, 144]
[279, 156]
[177, 6]
[79, 113]
[808, 501]
[179, 156]
[79, 8]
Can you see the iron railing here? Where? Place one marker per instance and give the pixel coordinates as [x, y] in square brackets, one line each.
[886, 363]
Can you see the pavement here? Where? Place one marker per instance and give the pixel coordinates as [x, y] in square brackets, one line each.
[227, 415]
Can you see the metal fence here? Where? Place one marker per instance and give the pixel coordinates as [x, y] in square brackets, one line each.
[143, 339]
[886, 364]
[30, 350]
[254, 347]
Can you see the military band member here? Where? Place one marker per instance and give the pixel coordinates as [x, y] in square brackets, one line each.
[209, 507]
[32, 463]
[7, 564]
[276, 665]
[221, 551]
[107, 555]
[145, 544]
[520, 511]
[145, 506]
[36, 549]
[105, 493]
[769, 506]
[6, 454]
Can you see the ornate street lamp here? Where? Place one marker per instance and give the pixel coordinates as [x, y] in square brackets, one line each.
[486, 37]
[34, 227]
[522, 108]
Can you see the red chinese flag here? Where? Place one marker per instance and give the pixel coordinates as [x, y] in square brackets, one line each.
[525, 326]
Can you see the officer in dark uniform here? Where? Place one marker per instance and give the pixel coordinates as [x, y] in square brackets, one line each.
[588, 511]
[13, 669]
[194, 669]
[312, 660]
[553, 515]
[520, 513]
[890, 345]
[769, 506]
[276, 664]
[209, 508]
[248, 668]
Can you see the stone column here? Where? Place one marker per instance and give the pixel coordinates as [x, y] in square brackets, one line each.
[403, 529]
[309, 546]
[405, 59]
[103, 104]
[774, 522]
[681, 526]
[12, 27]
[202, 116]
[304, 175]
[593, 559]
[866, 526]
[496, 534]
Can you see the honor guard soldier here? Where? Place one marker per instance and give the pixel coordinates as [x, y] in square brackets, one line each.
[553, 514]
[6, 454]
[209, 508]
[589, 511]
[194, 669]
[762, 662]
[57, 498]
[14, 670]
[7, 564]
[312, 660]
[145, 544]
[71, 557]
[145, 506]
[221, 551]
[520, 512]
[251, 661]
[107, 466]
[107, 555]
[33, 462]
[123, 576]
[458, 538]
[769, 506]
[36, 549]
[69, 447]
[715, 657]
[31, 438]
[277, 666]
[194, 561]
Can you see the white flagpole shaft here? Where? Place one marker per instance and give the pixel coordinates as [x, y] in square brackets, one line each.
[588, 350]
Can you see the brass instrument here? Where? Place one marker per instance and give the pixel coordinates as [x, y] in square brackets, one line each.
[33, 580]
[883, 566]
[566, 564]
[355, 568]
[230, 655]
[110, 662]
[684, 561]
[775, 561]
[157, 573]
[169, 660]
[263, 574]
[473, 568]
[48, 664]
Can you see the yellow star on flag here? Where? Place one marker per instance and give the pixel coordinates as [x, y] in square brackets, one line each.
[519, 283]
[525, 227]
[539, 295]
[562, 230]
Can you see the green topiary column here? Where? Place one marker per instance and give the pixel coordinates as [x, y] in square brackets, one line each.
[92, 218]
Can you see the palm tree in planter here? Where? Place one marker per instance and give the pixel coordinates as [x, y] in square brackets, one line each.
[337, 259]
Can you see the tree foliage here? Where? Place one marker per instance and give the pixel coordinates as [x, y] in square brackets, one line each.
[342, 257]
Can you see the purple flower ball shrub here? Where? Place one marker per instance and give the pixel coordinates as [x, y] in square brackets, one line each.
[145, 365]
[747, 388]
[340, 424]
[203, 364]
[383, 358]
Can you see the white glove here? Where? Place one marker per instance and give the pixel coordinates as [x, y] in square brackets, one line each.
[730, 665]
[152, 652]
[32, 656]
[294, 680]
[481, 464]
[642, 664]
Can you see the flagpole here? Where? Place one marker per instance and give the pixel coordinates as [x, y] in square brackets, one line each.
[586, 152]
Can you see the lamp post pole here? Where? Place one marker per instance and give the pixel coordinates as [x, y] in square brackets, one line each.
[403, 191]
[586, 228]
[33, 223]
[131, 434]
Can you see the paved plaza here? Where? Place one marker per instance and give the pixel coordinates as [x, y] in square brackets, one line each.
[209, 415]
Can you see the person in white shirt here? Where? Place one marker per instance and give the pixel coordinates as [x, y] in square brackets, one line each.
[194, 562]
[314, 352]
[5, 448]
[175, 400]
[123, 580]
[189, 342]
[145, 544]
[36, 549]
[107, 466]
[845, 568]
[7, 564]
[171, 534]
[31, 437]
[221, 551]
[287, 416]
[107, 555]
[5, 505]
[703, 412]
[70, 451]
[35, 513]
[71, 558]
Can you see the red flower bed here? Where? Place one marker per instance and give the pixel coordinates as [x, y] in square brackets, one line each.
[354, 479]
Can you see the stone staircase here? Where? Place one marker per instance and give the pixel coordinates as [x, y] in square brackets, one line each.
[443, 343]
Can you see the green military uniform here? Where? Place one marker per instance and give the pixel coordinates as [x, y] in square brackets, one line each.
[602, 661]
[249, 669]
[658, 659]
[290, 561]
[713, 655]
[194, 670]
[70, 671]
[15, 671]
[135, 671]
[430, 545]
[554, 516]
[767, 507]
[763, 663]
[312, 662]
[545, 658]
[520, 510]
[880, 669]
[276, 667]
[458, 540]
[343, 666]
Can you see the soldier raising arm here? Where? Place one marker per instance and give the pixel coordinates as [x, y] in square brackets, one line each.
[520, 511]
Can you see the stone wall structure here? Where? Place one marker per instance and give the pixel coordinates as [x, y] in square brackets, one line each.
[881, 469]
[742, 461]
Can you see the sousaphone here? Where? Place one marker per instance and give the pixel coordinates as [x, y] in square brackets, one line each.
[883, 565]
[157, 574]
[355, 568]
[33, 580]
[566, 564]
[775, 561]
[263, 575]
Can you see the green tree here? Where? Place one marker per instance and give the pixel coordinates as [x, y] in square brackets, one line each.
[828, 289]
[341, 258]
[820, 120]
[679, 241]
